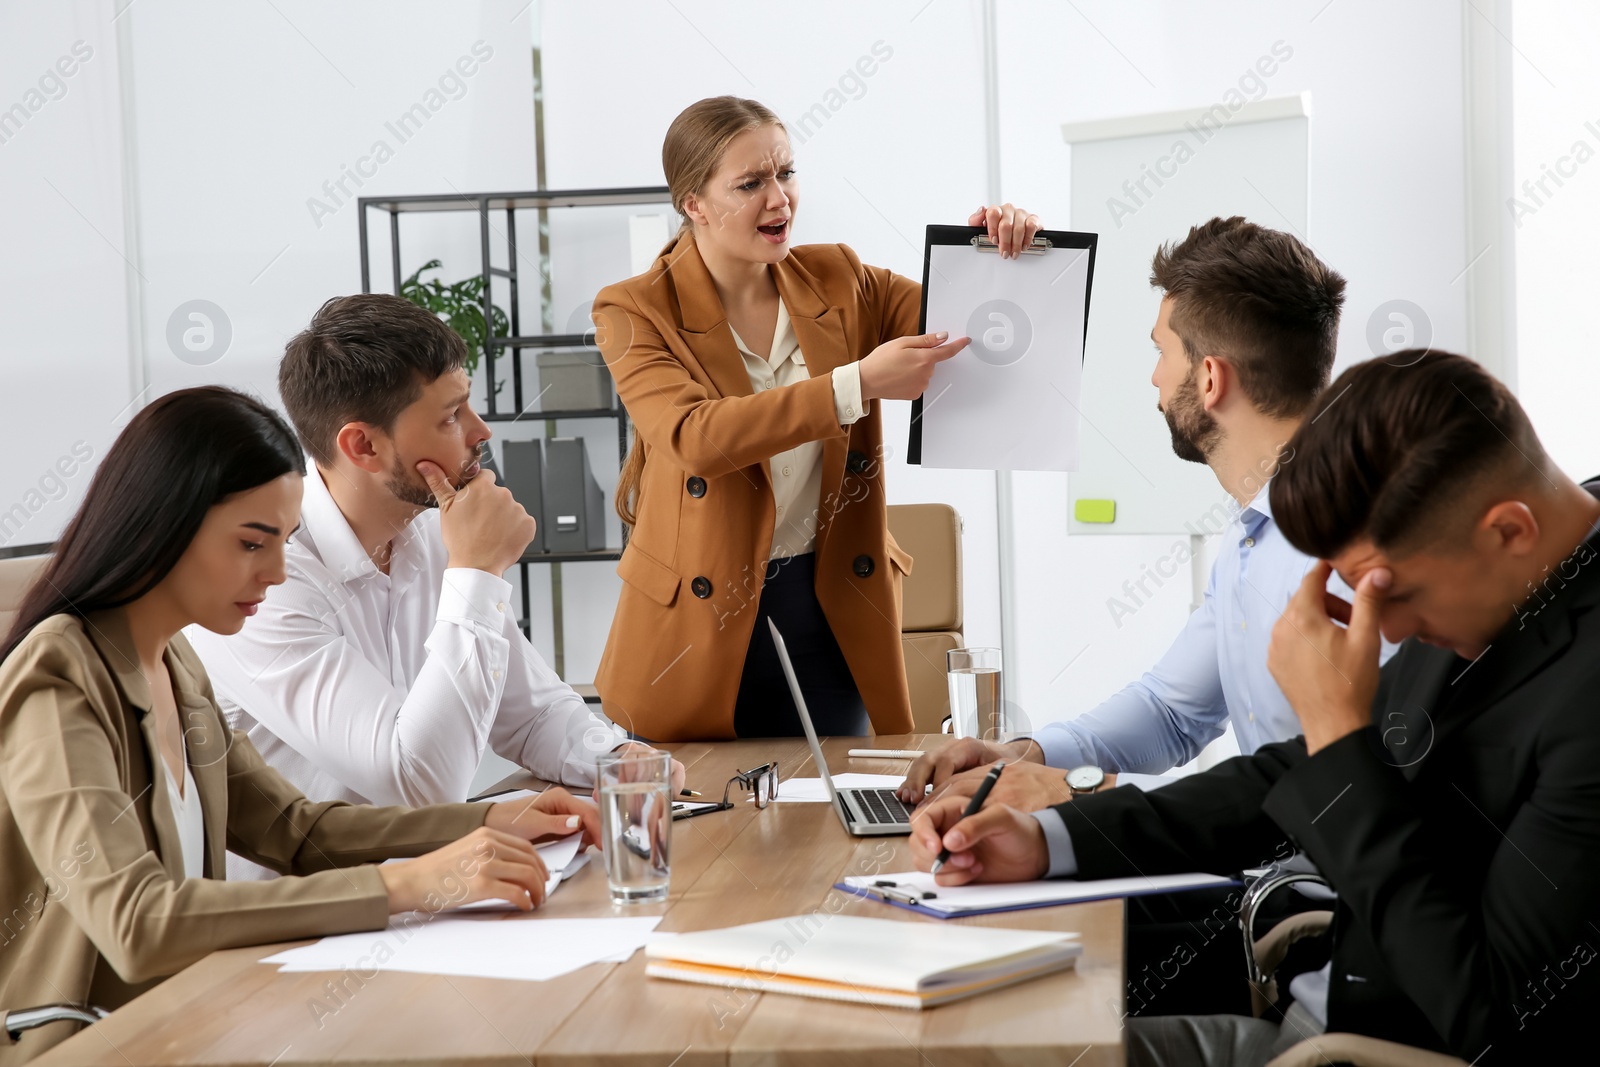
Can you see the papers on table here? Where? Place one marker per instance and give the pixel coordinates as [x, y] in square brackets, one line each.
[871, 961]
[511, 794]
[561, 859]
[811, 790]
[918, 891]
[475, 945]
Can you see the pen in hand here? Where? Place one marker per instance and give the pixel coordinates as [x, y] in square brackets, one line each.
[974, 806]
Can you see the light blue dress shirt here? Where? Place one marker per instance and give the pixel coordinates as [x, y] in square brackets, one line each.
[1216, 670]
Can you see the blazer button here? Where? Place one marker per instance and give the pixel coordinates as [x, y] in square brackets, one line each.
[701, 587]
[696, 486]
[856, 462]
[863, 566]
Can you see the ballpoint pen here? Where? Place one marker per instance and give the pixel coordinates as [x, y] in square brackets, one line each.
[973, 807]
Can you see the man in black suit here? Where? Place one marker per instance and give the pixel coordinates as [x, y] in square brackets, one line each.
[1452, 799]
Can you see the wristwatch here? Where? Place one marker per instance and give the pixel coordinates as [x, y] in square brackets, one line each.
[1085, 779]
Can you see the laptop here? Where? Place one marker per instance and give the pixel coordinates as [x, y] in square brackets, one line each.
[864, 812]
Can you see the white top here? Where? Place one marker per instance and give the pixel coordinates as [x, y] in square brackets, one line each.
[191, 823]
[796, 475]
[381, 688]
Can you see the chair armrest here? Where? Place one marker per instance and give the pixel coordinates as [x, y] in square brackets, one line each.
[1255, 895]
[1272, 946]
[30, 1018]
[1259, 965]
[1361, 1052]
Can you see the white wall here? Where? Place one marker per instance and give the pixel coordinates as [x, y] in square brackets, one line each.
[63, 299]
[1557, 213]
[899, 149]
[241, 112]
[1386, 210]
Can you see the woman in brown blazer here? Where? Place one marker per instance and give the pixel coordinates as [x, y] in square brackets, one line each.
[755, 485]
[121, 787]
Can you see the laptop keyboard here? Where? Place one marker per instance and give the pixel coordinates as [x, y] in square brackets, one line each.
[881, 807]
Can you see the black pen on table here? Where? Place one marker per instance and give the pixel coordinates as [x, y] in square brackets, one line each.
[974, 806]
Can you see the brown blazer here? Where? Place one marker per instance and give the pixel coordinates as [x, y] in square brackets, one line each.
[694, 565]
[96, 907]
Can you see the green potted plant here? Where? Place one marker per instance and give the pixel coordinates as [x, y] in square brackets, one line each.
[461, 307]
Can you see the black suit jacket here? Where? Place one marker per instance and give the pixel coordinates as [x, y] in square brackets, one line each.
[1461, 831]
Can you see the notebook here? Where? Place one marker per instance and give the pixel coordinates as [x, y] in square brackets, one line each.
[917, 891]
[866, 961]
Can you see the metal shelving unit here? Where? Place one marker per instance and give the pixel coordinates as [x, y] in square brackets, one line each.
[489, 206]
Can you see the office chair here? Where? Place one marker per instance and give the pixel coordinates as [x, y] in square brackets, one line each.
[930, 612]
[23, 1019]
[1263, 955]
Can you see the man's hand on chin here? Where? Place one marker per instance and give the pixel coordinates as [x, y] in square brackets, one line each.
[1328, 672]
[999, 844]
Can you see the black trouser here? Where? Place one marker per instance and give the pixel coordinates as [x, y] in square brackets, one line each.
[765, 707]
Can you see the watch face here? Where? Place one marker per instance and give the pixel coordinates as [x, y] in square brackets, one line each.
[1085, 778]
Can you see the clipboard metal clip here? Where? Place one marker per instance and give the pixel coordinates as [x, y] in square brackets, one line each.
[889, 891]
[1037, 247]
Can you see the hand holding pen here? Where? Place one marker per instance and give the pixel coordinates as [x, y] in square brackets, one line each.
[974, 806]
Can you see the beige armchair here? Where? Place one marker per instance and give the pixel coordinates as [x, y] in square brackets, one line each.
[17, 573]
[930, 619]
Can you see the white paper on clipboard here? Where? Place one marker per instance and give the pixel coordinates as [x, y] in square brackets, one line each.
[1009, 400]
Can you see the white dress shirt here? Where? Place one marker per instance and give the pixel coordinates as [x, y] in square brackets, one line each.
[381, 688]
[796, 475]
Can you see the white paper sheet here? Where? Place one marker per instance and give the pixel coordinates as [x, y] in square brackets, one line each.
[501, 798]
[481, 946]
[1009, 401]
[561, 859]
[812, 791]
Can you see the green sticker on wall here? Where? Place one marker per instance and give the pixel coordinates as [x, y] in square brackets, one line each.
[1086, 510]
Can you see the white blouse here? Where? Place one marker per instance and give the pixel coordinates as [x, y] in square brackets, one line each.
[191, 823]
[796, 475]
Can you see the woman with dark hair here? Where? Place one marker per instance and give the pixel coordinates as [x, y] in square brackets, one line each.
[121, 786]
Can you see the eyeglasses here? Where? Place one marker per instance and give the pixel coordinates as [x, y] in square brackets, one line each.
[761, 781]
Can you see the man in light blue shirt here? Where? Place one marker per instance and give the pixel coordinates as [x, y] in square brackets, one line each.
[1245, 334]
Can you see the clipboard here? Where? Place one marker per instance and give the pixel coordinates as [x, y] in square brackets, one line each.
[909, 897]
[1062, 253]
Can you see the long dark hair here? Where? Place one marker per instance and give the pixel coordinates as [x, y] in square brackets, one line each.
[179, 456]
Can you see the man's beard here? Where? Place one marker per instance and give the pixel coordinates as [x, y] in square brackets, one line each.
[409, 487]
[1195, 432]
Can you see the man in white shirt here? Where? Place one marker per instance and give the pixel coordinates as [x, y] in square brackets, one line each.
[391, 657]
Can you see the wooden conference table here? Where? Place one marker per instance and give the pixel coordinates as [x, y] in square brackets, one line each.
[728, 868]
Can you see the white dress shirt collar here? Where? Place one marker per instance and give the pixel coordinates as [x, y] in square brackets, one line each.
[327, 532]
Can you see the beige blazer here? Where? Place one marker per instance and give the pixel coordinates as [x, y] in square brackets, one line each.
[96, 907]
[695, 563]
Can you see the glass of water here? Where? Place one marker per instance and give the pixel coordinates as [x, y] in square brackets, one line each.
[636, 824]
[975, 693]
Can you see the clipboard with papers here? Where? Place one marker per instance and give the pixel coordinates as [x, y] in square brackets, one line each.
[916, 891]
[1009, 400]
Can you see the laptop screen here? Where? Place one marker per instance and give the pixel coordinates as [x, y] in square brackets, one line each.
[805, 716]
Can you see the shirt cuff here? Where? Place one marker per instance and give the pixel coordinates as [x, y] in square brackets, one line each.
[847, 402]
[470, 595]
[1060, 747]
[1063, 860]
